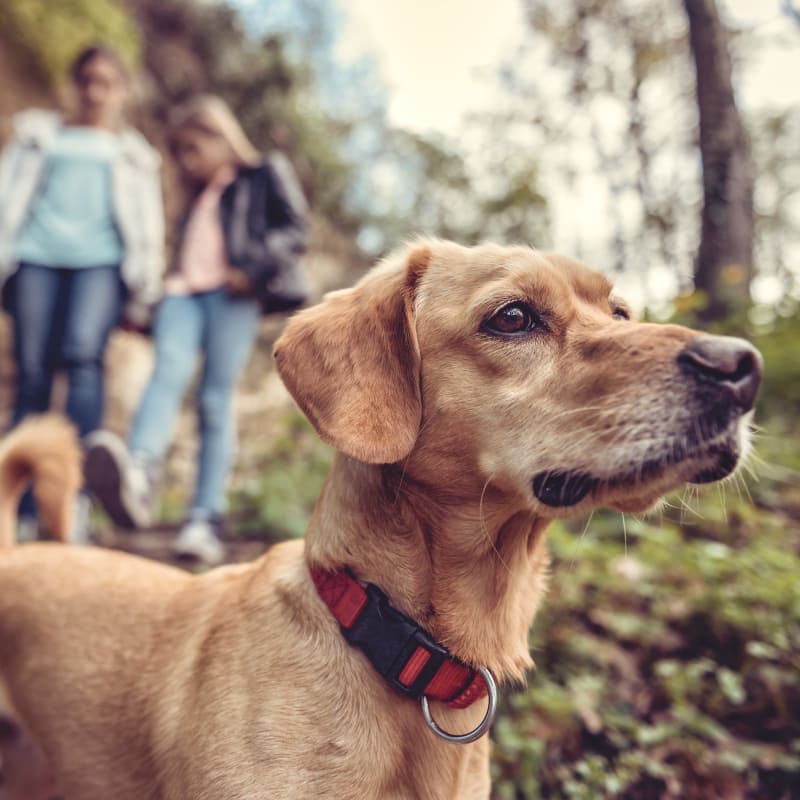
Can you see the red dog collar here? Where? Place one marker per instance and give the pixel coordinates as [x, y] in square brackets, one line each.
[398, 648]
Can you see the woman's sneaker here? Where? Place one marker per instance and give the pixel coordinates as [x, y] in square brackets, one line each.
[198, 540]
[121, 483]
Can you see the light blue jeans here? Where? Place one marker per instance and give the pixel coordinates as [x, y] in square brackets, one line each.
[222, 329]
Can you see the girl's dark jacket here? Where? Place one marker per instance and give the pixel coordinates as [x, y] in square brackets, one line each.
[264, 222]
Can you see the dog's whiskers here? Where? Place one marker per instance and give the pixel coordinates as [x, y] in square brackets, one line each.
[775, 472]
[400, 482]
[685, 507]
[485, 528]
[574, 556]
[605, 407]
[695, 494]
[624, 532]
[745, 487]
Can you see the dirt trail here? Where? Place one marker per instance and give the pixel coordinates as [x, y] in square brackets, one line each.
[156, 544]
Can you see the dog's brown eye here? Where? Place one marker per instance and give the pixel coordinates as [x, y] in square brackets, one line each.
[513, 319]
[620, 313]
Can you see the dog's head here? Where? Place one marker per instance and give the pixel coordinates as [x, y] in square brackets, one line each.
[519, 370]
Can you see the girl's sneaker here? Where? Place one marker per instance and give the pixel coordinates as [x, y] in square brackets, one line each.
[122, 484]
[199, 541]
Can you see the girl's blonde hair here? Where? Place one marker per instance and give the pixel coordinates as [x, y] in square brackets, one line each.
[212, 115]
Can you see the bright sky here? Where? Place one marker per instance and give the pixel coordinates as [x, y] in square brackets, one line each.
[431, 53]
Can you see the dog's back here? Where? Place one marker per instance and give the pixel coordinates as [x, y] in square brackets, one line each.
[42, 451]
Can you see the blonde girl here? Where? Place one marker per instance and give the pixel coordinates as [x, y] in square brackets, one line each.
[242, 212]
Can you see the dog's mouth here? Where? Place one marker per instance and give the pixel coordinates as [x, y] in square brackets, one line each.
[688, 461]
[723, 462]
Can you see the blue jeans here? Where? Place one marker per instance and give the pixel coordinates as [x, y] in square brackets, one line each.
[62, 319]
[222, 329]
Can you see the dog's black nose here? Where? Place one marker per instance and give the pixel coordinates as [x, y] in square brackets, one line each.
[730, 362]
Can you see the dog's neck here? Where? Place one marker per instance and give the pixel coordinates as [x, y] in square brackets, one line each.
[471, 571]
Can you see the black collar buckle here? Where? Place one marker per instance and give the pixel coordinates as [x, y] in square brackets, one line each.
[389, 639]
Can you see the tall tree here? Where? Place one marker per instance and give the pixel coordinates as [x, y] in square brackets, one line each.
[725, 257]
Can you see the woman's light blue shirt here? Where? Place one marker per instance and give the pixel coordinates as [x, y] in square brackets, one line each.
[71, 221]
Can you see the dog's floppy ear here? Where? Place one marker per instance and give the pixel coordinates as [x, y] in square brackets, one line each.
[352, 362]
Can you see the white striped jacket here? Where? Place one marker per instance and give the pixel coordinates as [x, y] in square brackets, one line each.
[136, 187]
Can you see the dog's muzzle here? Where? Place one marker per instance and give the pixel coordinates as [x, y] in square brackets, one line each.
[724, 375]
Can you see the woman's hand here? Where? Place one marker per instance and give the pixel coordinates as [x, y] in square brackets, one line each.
[137, 317]
[237, 283]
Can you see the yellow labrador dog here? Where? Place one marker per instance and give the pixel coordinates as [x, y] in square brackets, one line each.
[472, 395]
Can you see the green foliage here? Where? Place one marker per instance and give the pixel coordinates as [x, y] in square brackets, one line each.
[780, 397]
[667, 666]
[286, 481]
[49, 35]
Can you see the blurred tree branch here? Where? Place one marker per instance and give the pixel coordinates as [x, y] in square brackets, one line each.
[792, 10]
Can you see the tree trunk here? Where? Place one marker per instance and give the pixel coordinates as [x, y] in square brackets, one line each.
[725, 258]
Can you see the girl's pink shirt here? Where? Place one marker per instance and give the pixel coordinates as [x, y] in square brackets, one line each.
[202, 261]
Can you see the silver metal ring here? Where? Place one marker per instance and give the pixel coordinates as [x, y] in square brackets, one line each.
[476, 733]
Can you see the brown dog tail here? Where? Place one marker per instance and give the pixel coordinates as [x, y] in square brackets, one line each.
[43, 451]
